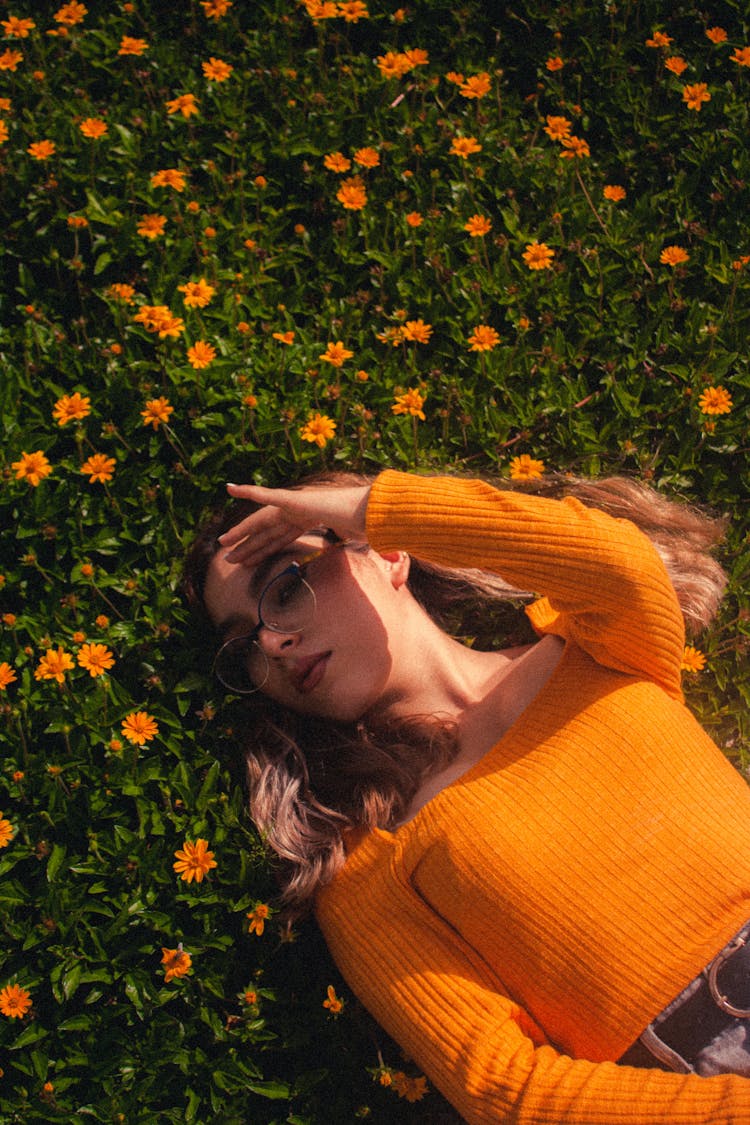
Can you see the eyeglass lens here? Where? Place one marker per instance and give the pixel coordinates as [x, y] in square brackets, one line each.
[287, 603]
[286, 606]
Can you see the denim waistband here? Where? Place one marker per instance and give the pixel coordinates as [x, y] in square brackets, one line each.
[714, 1005]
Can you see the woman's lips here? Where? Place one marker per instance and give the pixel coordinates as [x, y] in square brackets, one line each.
[309, 672]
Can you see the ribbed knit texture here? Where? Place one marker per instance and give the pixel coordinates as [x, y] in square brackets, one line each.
[518, 934]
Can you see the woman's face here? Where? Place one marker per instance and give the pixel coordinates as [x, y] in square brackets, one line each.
[339, 664]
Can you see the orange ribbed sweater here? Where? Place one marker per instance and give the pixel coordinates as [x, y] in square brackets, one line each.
[518, 934]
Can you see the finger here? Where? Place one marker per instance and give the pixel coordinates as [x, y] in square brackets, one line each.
[253, 549]
[283, 498]
[263, 522]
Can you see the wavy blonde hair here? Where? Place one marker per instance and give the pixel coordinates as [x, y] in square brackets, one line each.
[311, 781]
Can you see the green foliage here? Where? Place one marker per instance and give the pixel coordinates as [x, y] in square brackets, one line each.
[601, 363]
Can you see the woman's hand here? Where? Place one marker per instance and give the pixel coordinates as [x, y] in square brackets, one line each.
[287, 513]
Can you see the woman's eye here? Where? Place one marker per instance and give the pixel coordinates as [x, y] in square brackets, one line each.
[286, 588]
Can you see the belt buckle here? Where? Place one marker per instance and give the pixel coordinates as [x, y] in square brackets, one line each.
[712, 973]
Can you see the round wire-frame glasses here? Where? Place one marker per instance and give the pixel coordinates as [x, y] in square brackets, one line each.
[286, 605]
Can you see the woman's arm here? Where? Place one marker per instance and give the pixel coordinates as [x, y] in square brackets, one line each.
[448, 1011]
[285, 513]
[602, 582]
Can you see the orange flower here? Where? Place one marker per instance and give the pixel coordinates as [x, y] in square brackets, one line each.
[417, 331]
[410, 402]
[576, 147]
[659, 40]
[614, 192]
[258, 918]
[176, 963]
[557, 127]
[201, 355]
[169, 177]
[16, 28]
[71, 408]
[6, 831]
[157, 412]
[352, 194]
[334, 1004]
[9, 59]
[411, 1089]
[337, 162]
[4, 134]
[186, 104]
[99, 468]
[695, 95]
[478, 225]
[287, 337]
[318, 429]
[335, 354]
[93, 127]
[121, 291]
[353, 10]
[554, 63]
[42, 150]
[139, 727]
[393, 64]
[465, 147]
[715, 400]
[716, 34]
[215, 9]
[151, 226]
[197, 293]
[14, 1001]
[32, 467]
[159, 319]
[673, 256]
[131, 46]
[321, 9]
[676, 64]
[77, 222]
[693, 660]
[194, 861]
[53, 665]
[414, 219]
[538, 256]
[476, 85]
[483, 339]
[7, 675]
[526, 468]
[741, 55]
[71, 14]
[95, 658]
[392, 335]
[367, 157]
[216, 70]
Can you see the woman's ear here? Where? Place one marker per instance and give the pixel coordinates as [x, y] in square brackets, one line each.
[399, 564]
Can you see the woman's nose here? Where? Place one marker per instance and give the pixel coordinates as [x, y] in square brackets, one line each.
[275, 643]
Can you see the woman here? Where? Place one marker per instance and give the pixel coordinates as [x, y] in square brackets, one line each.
[523, 860]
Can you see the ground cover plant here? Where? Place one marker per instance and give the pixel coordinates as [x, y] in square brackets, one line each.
[243, 241]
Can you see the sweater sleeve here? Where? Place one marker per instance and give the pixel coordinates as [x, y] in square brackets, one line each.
[600, 579]
[450, 1013]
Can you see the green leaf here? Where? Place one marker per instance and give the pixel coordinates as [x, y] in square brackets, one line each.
[56, 861]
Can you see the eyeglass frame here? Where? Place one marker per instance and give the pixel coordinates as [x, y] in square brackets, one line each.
[295, 567]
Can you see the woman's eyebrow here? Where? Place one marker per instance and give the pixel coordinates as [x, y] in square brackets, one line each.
[262, 571]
